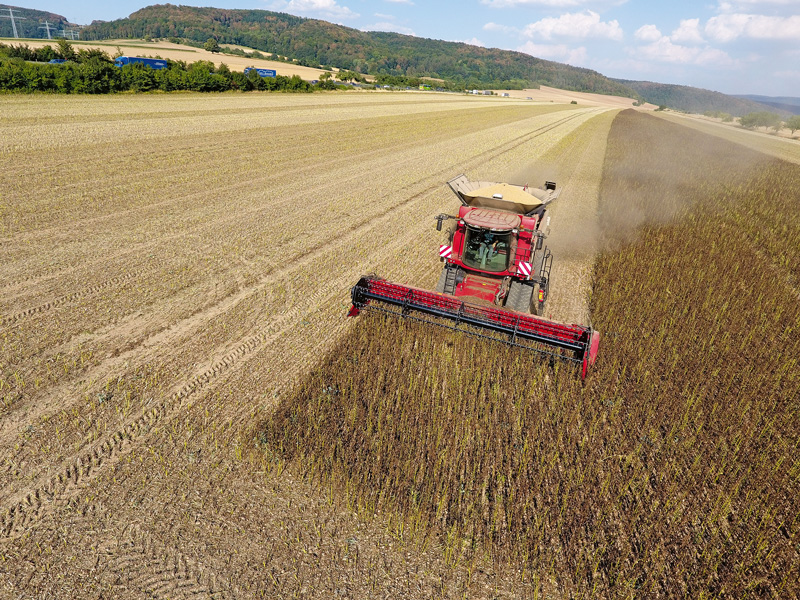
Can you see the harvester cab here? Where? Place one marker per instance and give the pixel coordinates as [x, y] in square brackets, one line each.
[495, 279]
[495, 252]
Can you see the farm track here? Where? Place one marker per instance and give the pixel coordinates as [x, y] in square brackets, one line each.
[27, 505]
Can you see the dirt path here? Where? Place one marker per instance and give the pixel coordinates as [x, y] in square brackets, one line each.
[161, 297]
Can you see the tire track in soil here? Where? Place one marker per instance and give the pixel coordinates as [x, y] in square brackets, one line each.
[55, 303]
[140, 562]
[237, 217]
[248, 183]
[313, 165]
[133, 563]
[29, 506]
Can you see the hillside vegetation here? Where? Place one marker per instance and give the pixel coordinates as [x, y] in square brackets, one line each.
[29, 22]
[674, 472]
[315, 42]
[695, 100]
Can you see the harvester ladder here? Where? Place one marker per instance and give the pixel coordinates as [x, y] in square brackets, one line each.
[523, 255]
[450, 281]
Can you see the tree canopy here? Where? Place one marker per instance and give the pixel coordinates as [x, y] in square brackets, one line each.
[313, 43]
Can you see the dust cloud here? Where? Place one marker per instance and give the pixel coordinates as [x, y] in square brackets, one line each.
[678, 166]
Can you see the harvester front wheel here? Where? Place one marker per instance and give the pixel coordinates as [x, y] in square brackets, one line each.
[519, 297]
[537, 308]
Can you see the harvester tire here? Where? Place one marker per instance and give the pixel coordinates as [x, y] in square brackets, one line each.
[519, 297]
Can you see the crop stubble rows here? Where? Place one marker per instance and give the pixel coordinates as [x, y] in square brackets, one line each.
[244, 287]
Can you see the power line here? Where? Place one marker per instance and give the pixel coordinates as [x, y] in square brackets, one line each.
[11, 16]
[47, 27]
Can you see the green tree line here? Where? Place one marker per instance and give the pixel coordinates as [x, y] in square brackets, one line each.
[769, 120]
[23, 69]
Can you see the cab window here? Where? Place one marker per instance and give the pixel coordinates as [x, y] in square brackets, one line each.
[487, 250]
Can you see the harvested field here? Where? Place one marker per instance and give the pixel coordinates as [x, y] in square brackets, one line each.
[177, 380]
[172, 264]
[673, 472]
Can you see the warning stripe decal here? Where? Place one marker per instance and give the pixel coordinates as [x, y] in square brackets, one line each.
[524, 269]
[445, 251]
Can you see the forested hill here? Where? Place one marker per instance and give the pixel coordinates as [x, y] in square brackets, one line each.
[695, 100]
[30, 22]
[314, 42]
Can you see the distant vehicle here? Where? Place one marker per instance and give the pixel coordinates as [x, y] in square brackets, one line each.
[57, 61]
[262, 72]
[153, 63]
[506, 94]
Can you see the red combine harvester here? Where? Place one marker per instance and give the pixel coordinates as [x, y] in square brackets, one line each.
[495, 279]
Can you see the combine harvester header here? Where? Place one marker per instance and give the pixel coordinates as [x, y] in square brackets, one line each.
[495, 280]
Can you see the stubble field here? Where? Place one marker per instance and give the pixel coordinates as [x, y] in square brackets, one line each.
[186, 412]
[170, 266]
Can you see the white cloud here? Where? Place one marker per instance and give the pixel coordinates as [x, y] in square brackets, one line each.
[324, 9]
[729, 27]
[688, 32]
[576, 25]
[501, 28]
[648, 33]
[556, 52]
[664, 50]
[388, 26]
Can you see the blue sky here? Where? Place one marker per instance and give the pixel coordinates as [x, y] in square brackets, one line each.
[732, 46]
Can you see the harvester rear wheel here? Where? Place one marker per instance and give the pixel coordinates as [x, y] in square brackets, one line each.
[519, 297]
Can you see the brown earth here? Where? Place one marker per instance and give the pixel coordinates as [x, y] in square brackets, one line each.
[169, 265]
[551, 94]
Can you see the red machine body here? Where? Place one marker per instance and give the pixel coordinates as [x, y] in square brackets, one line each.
[518, 255]
[495, 252]
[495, 279]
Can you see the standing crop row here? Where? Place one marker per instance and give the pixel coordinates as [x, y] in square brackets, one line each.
[674, 471]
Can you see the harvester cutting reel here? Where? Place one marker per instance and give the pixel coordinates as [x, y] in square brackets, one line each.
[574, 343]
